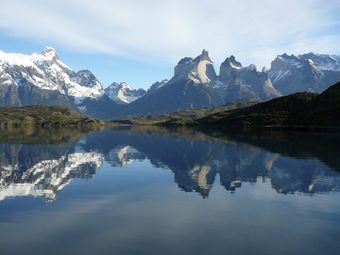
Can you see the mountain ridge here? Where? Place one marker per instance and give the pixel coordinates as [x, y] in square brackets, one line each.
[42, 78]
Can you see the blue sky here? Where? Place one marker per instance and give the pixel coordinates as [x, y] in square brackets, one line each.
[140, 41]
[107, 67]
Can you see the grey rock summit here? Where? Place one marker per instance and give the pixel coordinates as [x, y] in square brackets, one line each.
[200, 69]
[308, 72]
[245, 82]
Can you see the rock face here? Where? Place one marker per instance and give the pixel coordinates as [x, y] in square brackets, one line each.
[308, 72]
[122, 93]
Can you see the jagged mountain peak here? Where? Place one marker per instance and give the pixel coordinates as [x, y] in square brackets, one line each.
[287, 57]
[204, 56]
[200, 70]
[251, 67]
[50, 53]
[232, 62]
[319, 61]
[192, 61]
[307, 72]
[310, 54]
[158, 84]
[36, 61]
[120, 85]
[123, 93]
[286, 61]
[185, 61]
[85, 78]
[323, 61]
[125, 85]
[245, 82]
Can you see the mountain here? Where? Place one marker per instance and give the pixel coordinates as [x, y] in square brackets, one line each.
[46, 72]
[195, 84]
[44, 79]
[308, 72]
[122, 93]
[190, 87]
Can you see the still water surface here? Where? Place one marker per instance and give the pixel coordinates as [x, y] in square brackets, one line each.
[162, 192]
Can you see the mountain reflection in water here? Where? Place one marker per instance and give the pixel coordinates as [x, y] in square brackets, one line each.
[291, 162]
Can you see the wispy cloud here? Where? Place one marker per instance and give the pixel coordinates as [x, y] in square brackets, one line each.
[255, 31]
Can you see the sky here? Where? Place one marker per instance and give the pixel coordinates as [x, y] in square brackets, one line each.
[140, 41]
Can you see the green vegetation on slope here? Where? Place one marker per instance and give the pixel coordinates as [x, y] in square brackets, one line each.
[271, 113]
[44, 116]
[297, 110]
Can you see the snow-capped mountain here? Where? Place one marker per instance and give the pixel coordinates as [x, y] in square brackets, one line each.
[46, 71]
[42, 78]
[123, 93]
[307, 72]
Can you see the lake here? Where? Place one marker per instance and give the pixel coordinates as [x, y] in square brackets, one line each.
[159, 191]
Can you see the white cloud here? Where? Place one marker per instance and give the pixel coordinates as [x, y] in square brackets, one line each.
[254, 31]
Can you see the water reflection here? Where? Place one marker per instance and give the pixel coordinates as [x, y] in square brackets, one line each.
[291, 163]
